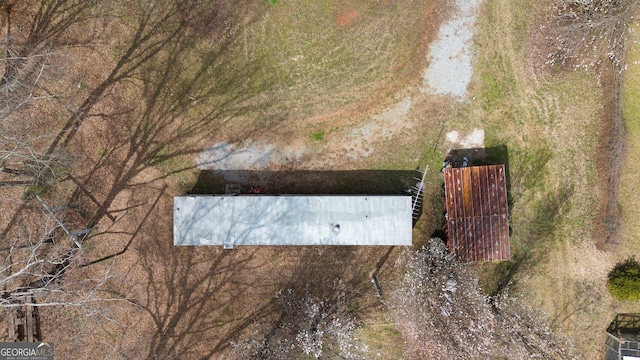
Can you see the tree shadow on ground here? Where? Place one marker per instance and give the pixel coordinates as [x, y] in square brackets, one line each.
[150, 59]
[199, 298]
[176, 108]
[532, 236]
[55, 25]
[333, 278]
[192, 295]
[155, 104]
[525, 170]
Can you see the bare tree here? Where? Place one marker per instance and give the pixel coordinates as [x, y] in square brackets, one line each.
[27, 59]
[25, 127]
[318, 328]
[43, 247]
[589, 32]
[443, 314]
[23, 136]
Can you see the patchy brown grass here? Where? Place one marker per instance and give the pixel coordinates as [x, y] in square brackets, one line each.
[550, 121]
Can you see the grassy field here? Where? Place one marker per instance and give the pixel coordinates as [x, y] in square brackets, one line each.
[550, 125]
[297, 61]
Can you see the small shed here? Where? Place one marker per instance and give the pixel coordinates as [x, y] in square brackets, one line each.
[233, 220]
[477, 213]
[623, 338]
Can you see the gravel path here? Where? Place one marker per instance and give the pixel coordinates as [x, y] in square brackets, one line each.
[451, 55]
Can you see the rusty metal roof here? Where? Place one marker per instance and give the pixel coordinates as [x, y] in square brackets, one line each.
[477, 213]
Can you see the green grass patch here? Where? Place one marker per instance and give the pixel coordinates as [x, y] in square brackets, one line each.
[317, 136]
[355, 307]
[383, 339]
[493, 90]
[33, 191]
[320, 134]
[176, 167]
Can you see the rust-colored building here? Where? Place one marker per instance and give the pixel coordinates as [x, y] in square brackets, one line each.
[477, 219]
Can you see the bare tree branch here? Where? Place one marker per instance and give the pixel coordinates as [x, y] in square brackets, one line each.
[588, 32]
[443, 314]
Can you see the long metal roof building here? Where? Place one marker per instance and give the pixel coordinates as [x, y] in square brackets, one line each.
[292, 220]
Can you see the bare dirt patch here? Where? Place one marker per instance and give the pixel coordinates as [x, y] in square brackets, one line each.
[325, 147]
[348, 18]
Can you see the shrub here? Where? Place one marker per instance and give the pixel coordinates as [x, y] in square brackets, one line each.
[624, 280]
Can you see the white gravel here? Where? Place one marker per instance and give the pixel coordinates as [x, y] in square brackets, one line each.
[451, 55]
[249, 155]
[473, 140]
[384, 125]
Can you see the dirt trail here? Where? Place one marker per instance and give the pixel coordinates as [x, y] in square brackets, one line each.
[347, 18]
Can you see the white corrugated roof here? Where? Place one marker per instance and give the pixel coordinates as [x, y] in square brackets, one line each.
[292, 220]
